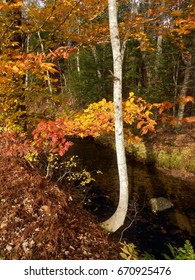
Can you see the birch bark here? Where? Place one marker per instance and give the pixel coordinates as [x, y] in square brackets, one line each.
[117, 219]
[184, 90]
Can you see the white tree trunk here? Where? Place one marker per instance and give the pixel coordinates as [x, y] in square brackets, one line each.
[78, 61]
[48, 75]
[134, 8]
[184, 90]
[27, 72]
[158, 53]
[94, 52]
[159, 45]
[78, 49]
[117, 219]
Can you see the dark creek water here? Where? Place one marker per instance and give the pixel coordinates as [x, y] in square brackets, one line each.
[149, 231]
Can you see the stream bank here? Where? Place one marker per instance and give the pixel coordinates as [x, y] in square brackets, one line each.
[169, 151]
[149, 232]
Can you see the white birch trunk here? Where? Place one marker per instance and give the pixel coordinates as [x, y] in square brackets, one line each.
[184, 89]
[48, 75]
[134, 9]
[78, 61]
[27, 72]
[159, 43]
[94, 52]
[78, 49]
[117, 219]
[158, 53]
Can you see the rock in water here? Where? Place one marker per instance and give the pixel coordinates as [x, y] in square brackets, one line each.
[160, 204]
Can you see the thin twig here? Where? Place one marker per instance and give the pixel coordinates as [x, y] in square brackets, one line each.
[133, 219]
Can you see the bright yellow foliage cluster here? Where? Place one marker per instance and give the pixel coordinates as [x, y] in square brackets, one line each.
[99, 118]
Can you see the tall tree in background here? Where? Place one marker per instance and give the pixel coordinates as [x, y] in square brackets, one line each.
[117, 219]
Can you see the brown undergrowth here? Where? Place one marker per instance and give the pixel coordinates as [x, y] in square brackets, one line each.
[37, 221]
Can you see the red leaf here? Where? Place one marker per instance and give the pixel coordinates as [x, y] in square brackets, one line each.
[61, 152]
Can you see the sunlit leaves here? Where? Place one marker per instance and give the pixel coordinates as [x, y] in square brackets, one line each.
[165, 113]
[13, 69]
[185, 99]
[98, 118]
[50, 137]
[14, 143]
[46, 66]
[137, 110]
[164, 106]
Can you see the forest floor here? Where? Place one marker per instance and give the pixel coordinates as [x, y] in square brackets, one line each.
[39, 221]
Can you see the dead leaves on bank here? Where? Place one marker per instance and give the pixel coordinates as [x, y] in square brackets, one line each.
[38, 222]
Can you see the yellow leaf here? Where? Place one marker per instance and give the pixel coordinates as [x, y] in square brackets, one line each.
[52, 70]
[18, 4]
[128, 103]
[147, 113]
[132, 99]
[173, 122]
[15, 69]
[131, 94]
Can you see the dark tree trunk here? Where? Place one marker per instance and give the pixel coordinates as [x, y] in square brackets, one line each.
[17, 47]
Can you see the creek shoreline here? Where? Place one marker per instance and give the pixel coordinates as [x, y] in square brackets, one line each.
[173, 158]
